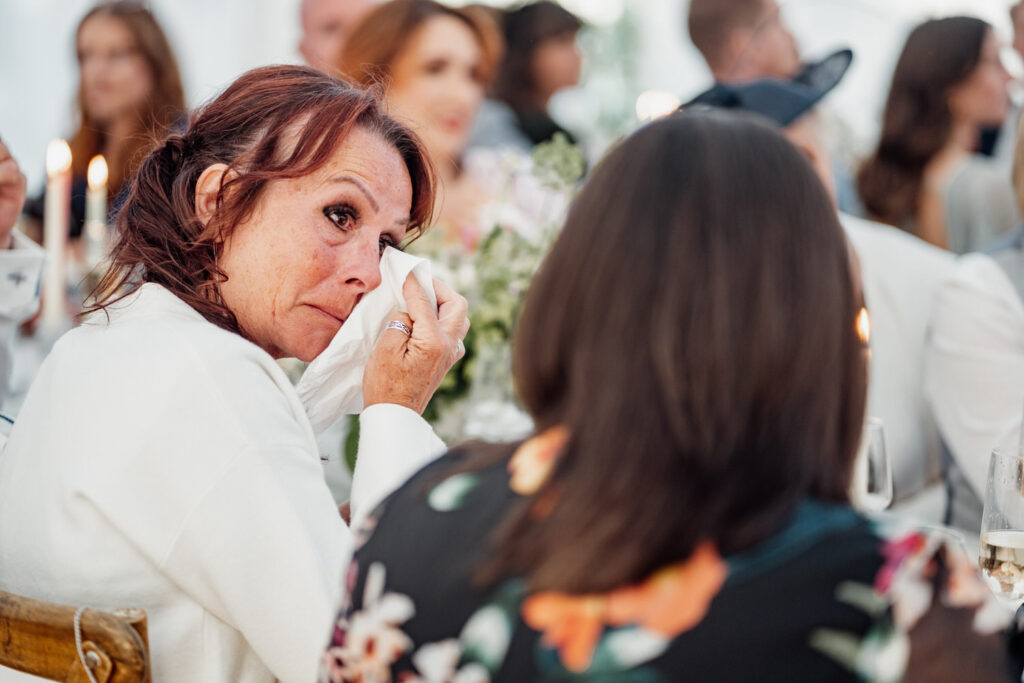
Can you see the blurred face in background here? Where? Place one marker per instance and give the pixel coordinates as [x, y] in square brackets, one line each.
[326, 24]
[767, 50]
[982, 99]
[556, 64]
[1017, 16]
[116, 80]
[437, 85]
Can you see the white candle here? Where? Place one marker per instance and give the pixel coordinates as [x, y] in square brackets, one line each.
[96, 212]
[55, 234]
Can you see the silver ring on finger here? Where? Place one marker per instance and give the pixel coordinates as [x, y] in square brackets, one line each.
[460, 348]
[400, 326]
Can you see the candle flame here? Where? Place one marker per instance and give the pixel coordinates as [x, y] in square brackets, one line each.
[653, 104]
[97, 172]
[58, 157]
[864, 326]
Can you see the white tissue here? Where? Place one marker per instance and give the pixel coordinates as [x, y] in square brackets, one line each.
[332, 385]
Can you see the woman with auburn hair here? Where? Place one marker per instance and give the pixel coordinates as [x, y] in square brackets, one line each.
[682, 511]
[129, 95]
[162, 459]
[433, 64]
[925, 175]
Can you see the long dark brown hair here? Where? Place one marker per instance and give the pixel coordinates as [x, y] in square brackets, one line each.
[917, 122]
[694, 330]
[164, 105]
[525, 28]
[272, 123]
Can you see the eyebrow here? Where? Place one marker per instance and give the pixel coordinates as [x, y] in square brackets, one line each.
[362, 187]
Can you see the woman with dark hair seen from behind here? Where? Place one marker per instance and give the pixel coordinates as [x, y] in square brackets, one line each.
[541, 58]
[682, 511]
[925, 175]
[162, 459]
[129, 94]
[433, 63]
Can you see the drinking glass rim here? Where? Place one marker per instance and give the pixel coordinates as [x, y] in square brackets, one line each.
[1005, 452]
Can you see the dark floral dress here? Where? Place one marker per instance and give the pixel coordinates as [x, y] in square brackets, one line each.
[832, 597]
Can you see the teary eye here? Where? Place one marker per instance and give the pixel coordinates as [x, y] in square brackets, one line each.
[387, 241]
[342, 215]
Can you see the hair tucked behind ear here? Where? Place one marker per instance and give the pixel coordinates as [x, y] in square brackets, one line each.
[272, 123]
[179, 254]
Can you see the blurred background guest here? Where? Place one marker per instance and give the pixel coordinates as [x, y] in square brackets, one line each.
[747, 40]
[433, 64]
[686, 500]
[326, 25]
[540, 59]
[925, 175]
[129, 94]
[21, 264]
[975, 365]
[899, 274]
[1006, 137]
[743, 40]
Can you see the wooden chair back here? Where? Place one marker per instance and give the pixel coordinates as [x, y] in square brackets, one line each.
[38, 638]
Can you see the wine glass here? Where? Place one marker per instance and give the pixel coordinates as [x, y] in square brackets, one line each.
[1001, 557]
[871, 490]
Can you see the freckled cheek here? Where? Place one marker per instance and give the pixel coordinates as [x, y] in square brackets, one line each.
[360, 260]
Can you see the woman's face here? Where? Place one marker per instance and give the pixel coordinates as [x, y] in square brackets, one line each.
[116, 81]
[982, 99]
[299, 265]
[556, 64]
[436, 85]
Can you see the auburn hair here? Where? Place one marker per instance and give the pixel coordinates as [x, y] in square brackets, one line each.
[272, 123]
[386, 30]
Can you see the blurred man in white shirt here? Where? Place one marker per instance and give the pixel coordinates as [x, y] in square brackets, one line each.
[899, 274]
[975, 363]
[326, 25]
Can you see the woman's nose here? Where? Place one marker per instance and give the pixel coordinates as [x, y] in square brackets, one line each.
[361, 267]
[467, 92]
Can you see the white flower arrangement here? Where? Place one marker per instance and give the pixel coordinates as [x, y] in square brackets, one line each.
[531, 196]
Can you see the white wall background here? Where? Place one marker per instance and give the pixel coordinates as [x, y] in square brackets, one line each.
[216, 40]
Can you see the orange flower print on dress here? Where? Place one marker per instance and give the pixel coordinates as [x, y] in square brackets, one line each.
[532, 462]
[572, 624]
[671, 601]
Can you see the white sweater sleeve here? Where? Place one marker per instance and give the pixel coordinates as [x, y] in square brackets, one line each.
[394, 443]
[974, 365]
[267, 558]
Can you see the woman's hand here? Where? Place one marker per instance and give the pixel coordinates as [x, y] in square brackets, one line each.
[12, 194]
[407, 369]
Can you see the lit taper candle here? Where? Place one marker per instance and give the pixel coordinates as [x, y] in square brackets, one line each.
[96, 212]
[55, 234]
